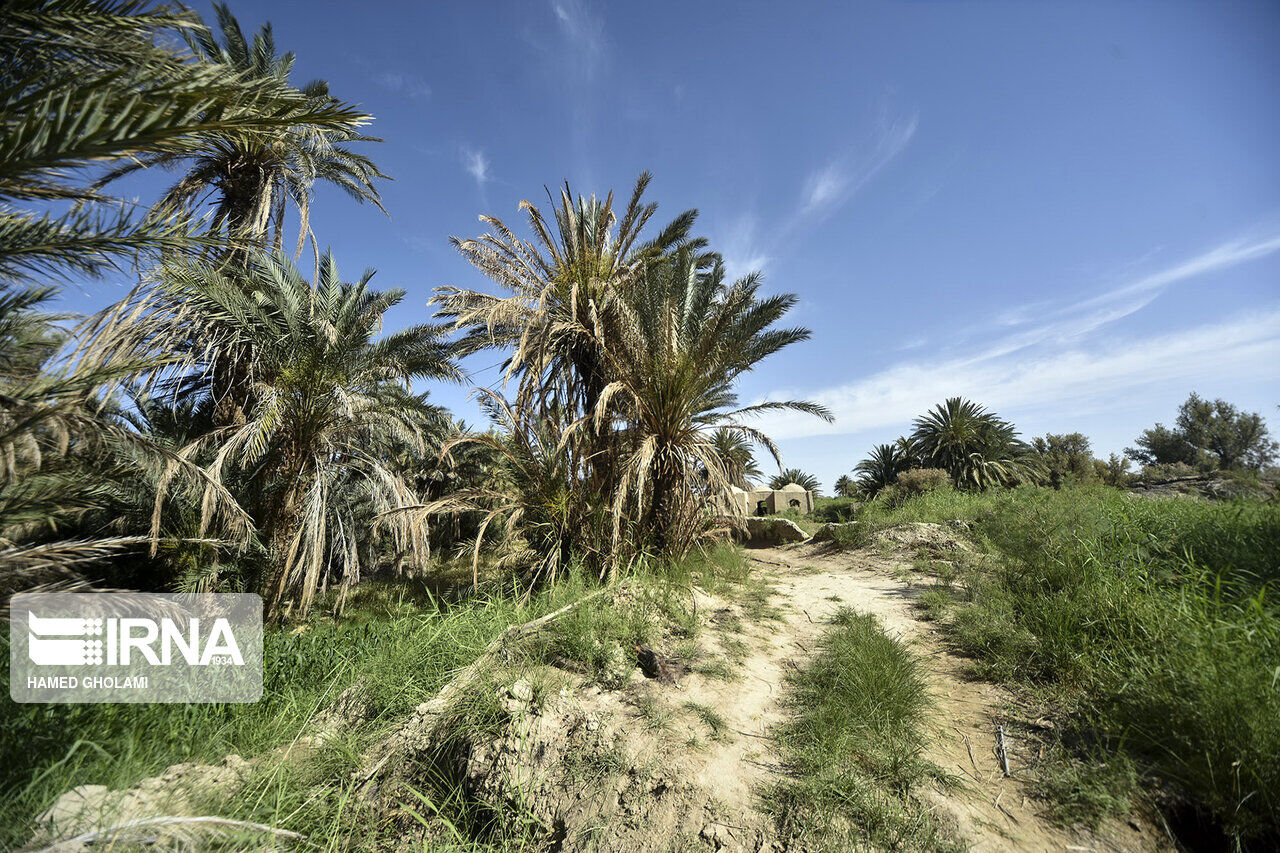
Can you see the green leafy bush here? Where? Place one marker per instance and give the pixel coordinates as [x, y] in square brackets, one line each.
[921, 480]
[1161, 472]
[834, 510]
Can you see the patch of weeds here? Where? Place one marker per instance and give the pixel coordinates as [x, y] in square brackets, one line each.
[855, 744]
[655, 713]
[850, 536]
[728, 621]
[936, 600]
[756, 600]
[686, 649]
[603, 634]
[1088, 792]
[717, 569]
[717, 668]
[713, 720]
[735, 649]
[597, 762]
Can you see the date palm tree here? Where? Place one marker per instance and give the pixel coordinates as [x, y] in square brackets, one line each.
[976, 447]
[736, 456]
[530, 502]
[560, 312]
[332, 406]
[91, 82]
[65, 452]
[881, 467]
[795, 475]
[687, 337]
[253, 178]
[846, 486]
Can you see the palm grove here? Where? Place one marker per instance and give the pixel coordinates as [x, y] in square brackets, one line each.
[234, 424]
[962, 444]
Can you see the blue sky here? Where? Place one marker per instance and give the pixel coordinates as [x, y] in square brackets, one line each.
[1067, 211]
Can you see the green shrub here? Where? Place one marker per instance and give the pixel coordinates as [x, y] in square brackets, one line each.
[1168, 471]
[1065, 459]
[834, 510]
[920, 480]
[890, 496]
[1114, 471]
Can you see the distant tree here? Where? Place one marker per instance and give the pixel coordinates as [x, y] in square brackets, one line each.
[846, 486]
[976, 447]
[735, 454]
[795, 475]
[1215, 433]
[1113, 472]
[1234, 438]
[1065, 458]
[1160, 445]
[881, 468]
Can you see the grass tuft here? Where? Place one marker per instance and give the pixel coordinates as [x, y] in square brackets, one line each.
[855, 744]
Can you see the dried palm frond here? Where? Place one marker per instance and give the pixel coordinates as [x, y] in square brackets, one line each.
[173, 833]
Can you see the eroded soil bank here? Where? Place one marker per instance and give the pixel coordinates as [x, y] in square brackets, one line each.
[654, 766]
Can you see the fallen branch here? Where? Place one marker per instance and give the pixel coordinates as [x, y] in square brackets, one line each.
[179, 825]
[1001, 751]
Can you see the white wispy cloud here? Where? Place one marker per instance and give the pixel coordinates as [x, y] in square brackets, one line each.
[1229, 254]
[1050, 355]
[741, 246]
[477, 166]
[584, 31]
[1065, 323]
[831, 186]
[402, 83]
[824, 191]
[1058, 377]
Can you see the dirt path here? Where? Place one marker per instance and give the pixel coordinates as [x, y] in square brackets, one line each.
[992, 812]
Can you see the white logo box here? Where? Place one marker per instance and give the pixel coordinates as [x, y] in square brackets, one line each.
[135, 647]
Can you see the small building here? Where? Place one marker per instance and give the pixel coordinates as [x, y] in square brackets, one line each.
[772, 501]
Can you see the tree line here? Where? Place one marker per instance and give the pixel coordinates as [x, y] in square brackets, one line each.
[235, 424]
[962, 443]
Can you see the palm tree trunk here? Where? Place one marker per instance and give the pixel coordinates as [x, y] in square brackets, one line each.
[279, 529]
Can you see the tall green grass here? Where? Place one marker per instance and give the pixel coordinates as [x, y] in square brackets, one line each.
[1155, 623]
[397, 642]
[396, 645]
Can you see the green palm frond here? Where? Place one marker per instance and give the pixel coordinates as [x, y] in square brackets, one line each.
[91, 82]
[881, 468]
